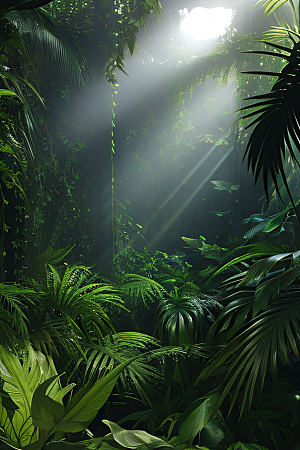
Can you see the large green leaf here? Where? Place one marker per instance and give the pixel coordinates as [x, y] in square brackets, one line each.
[256, 250]
[135, 438]
[83, 406]
[21, 378]
[259, 269]
[45, 411]
[271, 288]
[194, 419]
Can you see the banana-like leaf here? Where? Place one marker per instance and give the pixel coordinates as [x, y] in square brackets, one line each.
[86, 403]
[46, 411]
[193, 419]
[134, 438]
[20, 382]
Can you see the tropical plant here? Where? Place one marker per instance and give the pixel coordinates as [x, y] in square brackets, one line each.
[182, 319]
[189, 427]
[248, 253]
[137, 286]
[276, 125]
[37, 269]
[14, 155]
[34, 406]
[116, 349]
[14, 303]
[21, 4]
[71, 305]
[259, 328]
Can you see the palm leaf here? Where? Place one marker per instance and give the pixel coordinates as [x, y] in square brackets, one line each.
[118, 348]
[277, 127]
[270, 6]
[183, 319]
[270, 337]
[35, 26]
[82, 305]
[256, 250]
[234, 316]
[14, 301]
[259, 269]
[22, 4]
[49, 256]
[137, 286]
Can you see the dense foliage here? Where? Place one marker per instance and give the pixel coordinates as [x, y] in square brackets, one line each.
[185, 350]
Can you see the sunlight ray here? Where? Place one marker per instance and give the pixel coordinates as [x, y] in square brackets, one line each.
[180, 210]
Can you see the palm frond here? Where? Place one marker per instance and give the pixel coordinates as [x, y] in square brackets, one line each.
[269, 338]
[271, 6]
[234, 316]
[137, 286]
[50, 256]
[14, 301]
[59, 43]
[277, 127]
[256, 250]
[254, 290]
[116, 349]
[185, 320]
[84, 306]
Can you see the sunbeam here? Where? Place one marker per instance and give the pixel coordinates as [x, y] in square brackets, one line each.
[180, 210]
[183, 182]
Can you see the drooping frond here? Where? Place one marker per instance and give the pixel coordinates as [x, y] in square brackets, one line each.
[14, 301]
[268, 339]
[271, 6]
[276, 118]
[57, 44]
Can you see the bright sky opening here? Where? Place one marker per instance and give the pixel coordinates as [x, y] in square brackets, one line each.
[206, 23]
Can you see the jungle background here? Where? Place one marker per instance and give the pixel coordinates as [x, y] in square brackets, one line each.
[149, 185]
